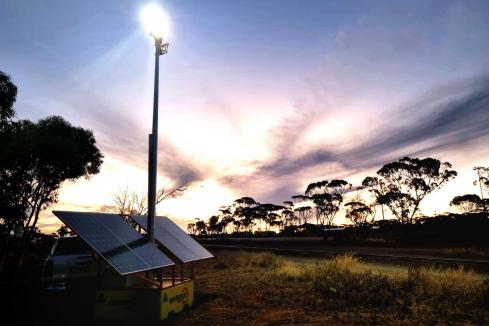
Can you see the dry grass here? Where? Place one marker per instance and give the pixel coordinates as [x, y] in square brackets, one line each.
[246, 260]
[265, 289]
[424, 291]
[346, 262]
[465, 252]
[291, 270]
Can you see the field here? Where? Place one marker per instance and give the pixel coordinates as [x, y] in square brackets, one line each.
[242, 288]
[261, 288]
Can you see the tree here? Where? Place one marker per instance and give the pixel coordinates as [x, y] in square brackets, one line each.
[338, 187]
[467, 203]
[483, 182]
[400, 204]
[192, 228]
[63, 231]
[304, 214]
[237, 225]
[36, 158]
[287, 216]
[126, 202]
[247, 213]
[8, 94]
[227, 218]
[213, 225]
[201, 227]
[358, 212]
[327, 197]
[378, 189]
[409, 180]
[268, 214]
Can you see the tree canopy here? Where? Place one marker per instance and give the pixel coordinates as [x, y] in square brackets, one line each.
[327, 197]
[358, 212]
[408, 181]
[35, 159]
[467, 203]
[8, 94]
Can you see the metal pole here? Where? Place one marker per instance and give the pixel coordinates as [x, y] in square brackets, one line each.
[153, 148]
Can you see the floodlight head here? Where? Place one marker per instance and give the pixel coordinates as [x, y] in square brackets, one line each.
[155, 21]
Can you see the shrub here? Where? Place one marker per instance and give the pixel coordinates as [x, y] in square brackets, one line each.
[358, 289]
[449, 292]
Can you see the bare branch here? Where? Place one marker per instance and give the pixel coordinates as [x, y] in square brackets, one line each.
[126, 202]
[167, 193]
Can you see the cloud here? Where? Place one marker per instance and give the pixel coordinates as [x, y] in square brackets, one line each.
[447, 117]
[292, 164]
[390, 53]
[121, 137]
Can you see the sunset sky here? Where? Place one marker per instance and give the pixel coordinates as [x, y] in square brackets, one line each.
[257, 98]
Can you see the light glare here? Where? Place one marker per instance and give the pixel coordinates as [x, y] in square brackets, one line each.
[154, 20]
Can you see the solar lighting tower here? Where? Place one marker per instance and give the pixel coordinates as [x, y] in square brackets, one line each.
[156, 23]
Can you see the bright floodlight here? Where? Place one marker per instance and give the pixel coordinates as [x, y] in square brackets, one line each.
[154, 20]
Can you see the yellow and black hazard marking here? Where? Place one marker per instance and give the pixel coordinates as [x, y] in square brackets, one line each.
[151, 303]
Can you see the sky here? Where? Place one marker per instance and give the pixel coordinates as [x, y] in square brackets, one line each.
[257, 98]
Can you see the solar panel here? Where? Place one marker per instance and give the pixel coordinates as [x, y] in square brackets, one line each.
[173, 238]
[116, 241]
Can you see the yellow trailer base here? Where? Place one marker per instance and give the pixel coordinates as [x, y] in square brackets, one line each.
[144, 303]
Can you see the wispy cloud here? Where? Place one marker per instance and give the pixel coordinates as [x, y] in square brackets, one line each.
[448, 117]
[372, 66]
[121, 137]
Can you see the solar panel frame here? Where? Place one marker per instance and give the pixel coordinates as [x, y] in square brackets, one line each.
[174, 239]
[115, 241]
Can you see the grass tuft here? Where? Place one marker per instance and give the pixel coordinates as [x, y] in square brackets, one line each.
[293, 271]
[346, 262]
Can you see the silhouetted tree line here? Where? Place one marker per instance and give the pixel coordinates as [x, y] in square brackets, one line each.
[35, 159]
[397, 191]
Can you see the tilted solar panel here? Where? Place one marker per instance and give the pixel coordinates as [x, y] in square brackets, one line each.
[116, 241]
[173, 238]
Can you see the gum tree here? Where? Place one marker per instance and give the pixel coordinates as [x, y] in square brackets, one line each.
[467, 203]
[377, 189]
[35, 159]
[304, 214]
[327, 197]
[245, 211]
[482, 181]
[358, 212]
[408, 181]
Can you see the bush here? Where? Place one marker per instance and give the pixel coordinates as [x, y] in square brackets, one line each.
[357, 289]
[451, 292]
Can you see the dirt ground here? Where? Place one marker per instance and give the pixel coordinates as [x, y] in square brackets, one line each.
[236, 297]
[224, 295]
